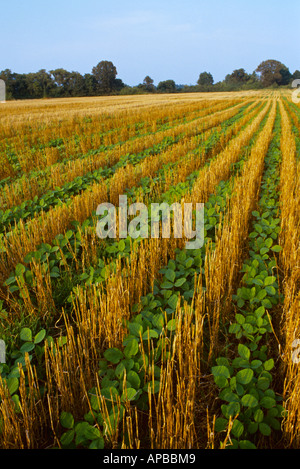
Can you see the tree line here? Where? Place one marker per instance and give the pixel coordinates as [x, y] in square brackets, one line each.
[103, 81]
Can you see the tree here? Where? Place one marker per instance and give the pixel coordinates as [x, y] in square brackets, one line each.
[118, 85]
[167, 86]
[286, 76]
[205, 79]
[105, 73]
[295, 76]
[39, 84]
[61, 78]
[90, 84]
[273, 72]
[76, 84]
[238, 76]
[149, 84]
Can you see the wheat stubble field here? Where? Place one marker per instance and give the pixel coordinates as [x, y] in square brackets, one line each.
[141, 343]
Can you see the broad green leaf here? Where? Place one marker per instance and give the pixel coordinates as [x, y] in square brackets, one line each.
[263, 383]
[240, 319]
[244, 352]
[121, 245]
[40, 336]
[237, 429]
[91, 433]
[153, 387]
[229, 396]
[244, 376]
[170, 275]
[27, 347]
[113, 355]
[221, 371]
[264, 429]
[135, 329]
[120, 369]
[258, 416]
[180, 282]
[221, 381]
[12, 384]
[129, 394]
[171, 326]
[26, 334]
[246, 444]
[172, 302]
[131, 348]
[233, 409]
[110, 393]
[134, 379]
[269, 364]
[221, 424]
[167, 285]
[20, 269]
[67, 420]
[149, 334]
[252, 427]
[269, 281]
[97, 444]
[267, 402]
[67, 437]
[249, 401]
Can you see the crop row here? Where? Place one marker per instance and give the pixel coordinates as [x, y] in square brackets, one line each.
[29, 343]
[289, 261]
[58, 174]
[60, 195]
[211, 228]
[250, 406]
[84, 144]
[25, 238]
[160, 176]
[135, 371]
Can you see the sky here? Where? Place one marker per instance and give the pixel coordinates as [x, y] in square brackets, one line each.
[166, 39]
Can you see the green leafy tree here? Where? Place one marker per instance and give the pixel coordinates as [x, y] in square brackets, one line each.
[76, 84]
[273, 72]
[118, 85]
[295, 76]
[39, 84]
[238, 76]
[105, 74]
[90, 84]
[167, 86]
[286, 76]
[149, 84]
[61, 78]
[205, 79]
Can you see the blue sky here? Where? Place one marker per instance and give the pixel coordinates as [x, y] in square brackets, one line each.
[165, 39]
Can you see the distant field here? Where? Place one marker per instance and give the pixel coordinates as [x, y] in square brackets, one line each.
[142, 343]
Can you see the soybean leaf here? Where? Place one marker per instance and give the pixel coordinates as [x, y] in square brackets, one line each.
[40, 336]
[26, 334]
[67, 420]
[113, 355]
[131, 348]
[244, 376]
